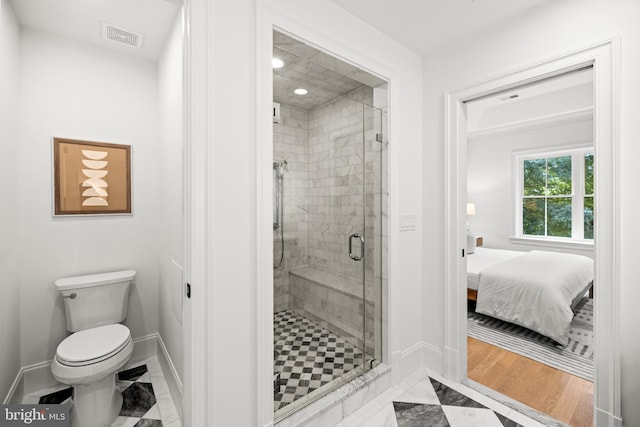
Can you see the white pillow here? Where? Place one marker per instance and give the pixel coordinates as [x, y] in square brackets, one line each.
[471, 242]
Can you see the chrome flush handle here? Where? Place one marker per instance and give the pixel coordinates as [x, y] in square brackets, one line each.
[72, 296]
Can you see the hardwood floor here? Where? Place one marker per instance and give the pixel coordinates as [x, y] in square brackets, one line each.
[563, 396]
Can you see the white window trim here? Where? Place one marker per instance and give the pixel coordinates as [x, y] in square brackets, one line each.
[577, 194]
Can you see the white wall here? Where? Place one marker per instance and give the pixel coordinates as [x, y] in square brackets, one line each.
[171, 194]
[232, 215]
[490, 179]
[75, 90]
[552, 29]
[233, 189]
[9, 215]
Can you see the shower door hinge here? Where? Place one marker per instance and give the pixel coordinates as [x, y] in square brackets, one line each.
[379, 137]
[188, 290]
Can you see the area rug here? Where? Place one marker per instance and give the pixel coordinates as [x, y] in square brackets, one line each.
[575, 358]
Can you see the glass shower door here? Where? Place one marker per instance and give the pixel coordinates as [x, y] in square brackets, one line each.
[374, 199]
[333, 323]
[364, 244]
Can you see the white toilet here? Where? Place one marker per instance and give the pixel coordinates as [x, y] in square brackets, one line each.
[98, 347]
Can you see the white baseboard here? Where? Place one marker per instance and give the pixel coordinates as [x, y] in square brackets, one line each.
[432, 357]
[143, 348]
[29, 380]
[170, 373]
[36, 377]
[16, 388]
[412, 358]
[419, 355]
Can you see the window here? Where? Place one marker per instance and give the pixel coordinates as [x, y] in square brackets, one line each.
[555, 195]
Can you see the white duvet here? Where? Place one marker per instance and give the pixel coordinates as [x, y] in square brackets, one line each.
[535, 290]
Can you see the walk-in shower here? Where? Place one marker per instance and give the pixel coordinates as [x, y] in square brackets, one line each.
[329, 223]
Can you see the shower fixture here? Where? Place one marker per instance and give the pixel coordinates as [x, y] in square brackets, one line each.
[278, 204]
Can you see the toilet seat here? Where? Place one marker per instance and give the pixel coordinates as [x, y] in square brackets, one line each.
[93, 345]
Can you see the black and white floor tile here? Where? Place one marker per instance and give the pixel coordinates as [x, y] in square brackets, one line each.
[146, 400]
[453, 409]
[429, 402]
[307, 357]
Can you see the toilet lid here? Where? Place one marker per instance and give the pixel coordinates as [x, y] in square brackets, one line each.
[93, 345]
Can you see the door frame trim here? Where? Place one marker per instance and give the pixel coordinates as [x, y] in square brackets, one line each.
[605, 58]
[198, 352]
[267, 20]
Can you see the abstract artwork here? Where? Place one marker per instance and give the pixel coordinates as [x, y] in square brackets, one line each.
[91, 177]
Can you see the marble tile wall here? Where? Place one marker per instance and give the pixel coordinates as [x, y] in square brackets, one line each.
[336, 187]
[290, 144]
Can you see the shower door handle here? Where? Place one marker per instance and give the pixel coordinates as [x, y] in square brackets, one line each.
[351, 255]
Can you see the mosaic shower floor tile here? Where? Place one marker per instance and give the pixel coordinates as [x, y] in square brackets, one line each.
[307, 357]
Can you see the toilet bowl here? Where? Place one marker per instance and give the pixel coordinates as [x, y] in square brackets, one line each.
[98, 346]
[88, 361]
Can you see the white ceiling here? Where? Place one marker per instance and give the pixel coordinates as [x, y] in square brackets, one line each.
[423, 25]
[82, 20]
[554, 97]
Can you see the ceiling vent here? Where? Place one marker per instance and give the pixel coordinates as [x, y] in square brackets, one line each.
[509, 97]
[120, 35]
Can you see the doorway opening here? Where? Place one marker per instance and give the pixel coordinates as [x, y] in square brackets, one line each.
[603, 58]
[530, 174]
[329, 193]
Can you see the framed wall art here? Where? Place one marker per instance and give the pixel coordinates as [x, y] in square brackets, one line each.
[91, 178]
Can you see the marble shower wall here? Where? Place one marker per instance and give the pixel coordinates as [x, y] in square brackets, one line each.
[290, 144]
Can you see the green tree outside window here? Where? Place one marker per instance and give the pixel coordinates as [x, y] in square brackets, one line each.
[549, 196]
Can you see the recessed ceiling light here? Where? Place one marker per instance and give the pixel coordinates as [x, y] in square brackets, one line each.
[300, 91]
[277, 62]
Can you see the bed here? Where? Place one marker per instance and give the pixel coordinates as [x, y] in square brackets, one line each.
[536, 289]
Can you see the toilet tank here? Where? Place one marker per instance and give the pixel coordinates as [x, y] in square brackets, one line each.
[95, 299]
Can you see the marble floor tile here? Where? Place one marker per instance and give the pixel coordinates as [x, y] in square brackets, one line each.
[415, 377]
[460, 416]
[153, 413]
[419, 415]
[392, 393]
[149, 423]
[483, 399]
[57, 396]
[137, 399]
[132, 374]
[449, 396]
[167, 408]
[362, 414]
[125, 422]
[523, 420]
[422, 392]
[385, 417]
[435, 403]
[142, 406]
